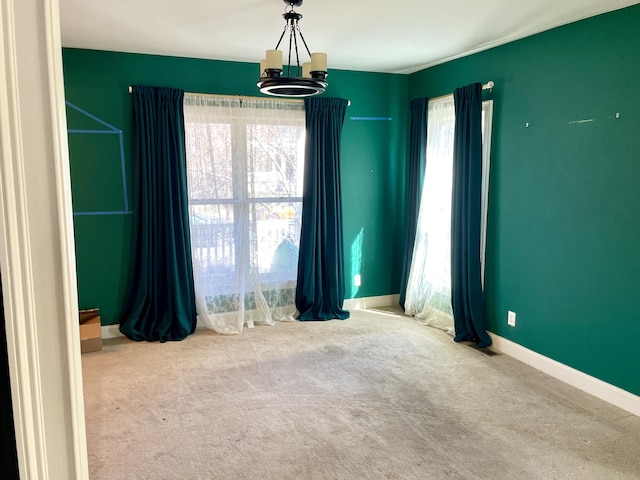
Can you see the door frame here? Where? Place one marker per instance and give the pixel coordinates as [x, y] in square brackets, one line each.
[37, 256]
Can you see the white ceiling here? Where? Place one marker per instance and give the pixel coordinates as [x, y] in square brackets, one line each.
[368, 35]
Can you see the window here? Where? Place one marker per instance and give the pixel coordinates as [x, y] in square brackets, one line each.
[487, 121]
[429, 285]
[245, 165]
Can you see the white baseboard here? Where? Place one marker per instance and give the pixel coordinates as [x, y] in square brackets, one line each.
[371, 302]
[591, 385]
[113, 331]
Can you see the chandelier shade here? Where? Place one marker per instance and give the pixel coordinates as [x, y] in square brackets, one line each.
[295, 79]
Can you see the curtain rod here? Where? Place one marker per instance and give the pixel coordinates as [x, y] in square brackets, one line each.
[244, 96]
[229, 96]
[487, 86]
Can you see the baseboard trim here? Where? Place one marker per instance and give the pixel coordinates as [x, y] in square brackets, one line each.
[371, 302]
[580, 380]
[113, 331]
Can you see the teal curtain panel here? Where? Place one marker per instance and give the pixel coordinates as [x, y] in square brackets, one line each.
[417, 163]
[320, 289]
[467, 298]
[160, 300]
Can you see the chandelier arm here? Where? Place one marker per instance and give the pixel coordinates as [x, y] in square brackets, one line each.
[295, 42]
[286, 25]
[292, 35]
[304, 41]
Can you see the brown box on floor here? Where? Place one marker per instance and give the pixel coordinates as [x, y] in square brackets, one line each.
[90, 333]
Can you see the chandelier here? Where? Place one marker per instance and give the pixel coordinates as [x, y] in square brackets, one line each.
[293, 79]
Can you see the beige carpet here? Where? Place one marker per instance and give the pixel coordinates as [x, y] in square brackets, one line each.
[373, 397]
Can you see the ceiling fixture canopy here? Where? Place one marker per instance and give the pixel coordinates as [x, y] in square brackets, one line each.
[293, 80]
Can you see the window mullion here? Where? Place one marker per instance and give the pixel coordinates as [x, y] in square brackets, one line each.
[241, 207]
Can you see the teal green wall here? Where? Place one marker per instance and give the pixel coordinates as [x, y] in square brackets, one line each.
[373, 163]
[563, 243]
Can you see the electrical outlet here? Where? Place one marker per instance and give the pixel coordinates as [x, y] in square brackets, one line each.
[511, 318]
[357, 280]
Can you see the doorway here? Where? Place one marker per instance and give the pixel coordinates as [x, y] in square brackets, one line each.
[8, 452]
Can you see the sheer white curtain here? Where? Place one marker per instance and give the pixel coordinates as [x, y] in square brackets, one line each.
[244, 169]
[428, 295]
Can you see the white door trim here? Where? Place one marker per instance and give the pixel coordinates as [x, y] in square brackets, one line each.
[37, 258]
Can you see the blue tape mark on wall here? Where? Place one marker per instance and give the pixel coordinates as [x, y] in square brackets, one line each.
[124, 176]
[93, 117]
[111, 130]
[372, 118]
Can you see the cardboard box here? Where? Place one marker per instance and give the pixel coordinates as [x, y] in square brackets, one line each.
[90, 332]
